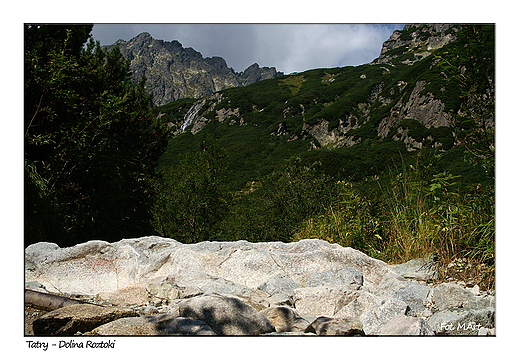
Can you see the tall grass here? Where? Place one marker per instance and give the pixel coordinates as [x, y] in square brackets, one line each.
[349, 222]
[418, 211]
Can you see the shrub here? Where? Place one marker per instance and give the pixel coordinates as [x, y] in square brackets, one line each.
[279, 203]
[347, 222]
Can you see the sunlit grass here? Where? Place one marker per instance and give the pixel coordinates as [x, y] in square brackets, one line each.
[415, 216]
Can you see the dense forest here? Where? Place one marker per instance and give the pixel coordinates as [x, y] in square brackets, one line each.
[100, 162]
[91, 141]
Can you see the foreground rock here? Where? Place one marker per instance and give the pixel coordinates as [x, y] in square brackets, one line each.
[285, 319]
[226, 316]
[321, 300]
[336, 327]
[98, 266]
[154, 325]
[77, 318]
[374, 318]
[418, 269]
[460, 321]
[156, 286]
[406, 325]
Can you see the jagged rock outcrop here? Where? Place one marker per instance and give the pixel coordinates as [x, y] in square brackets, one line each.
[242, 288]
[174, 72]
[426, 37]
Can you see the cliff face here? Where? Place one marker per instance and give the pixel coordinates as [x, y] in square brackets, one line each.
[175, 72]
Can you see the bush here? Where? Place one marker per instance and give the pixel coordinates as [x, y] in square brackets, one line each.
[347, 222]
[274, 209]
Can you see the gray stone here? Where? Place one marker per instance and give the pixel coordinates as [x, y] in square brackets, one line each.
[406, 325]
[289, 333]
[481, 302]
[321, 301]
[209, 267]
[280, 299]
[279, 285]
[374, 318]
[325, 326]
[363, 300]
[87, 268]
[486, 332]
[462, 321]
[450, 295]
[239, 263]
[188, 291]
[163, 292]
[226, 316]
[150, 310]
[199, 282]
[389, 284]
[257, 299]
[36, 286]
[418, 269]
[309, 317]
[475, 290]
[173, 308]
[81, 317]
[414, 295]
[300, 260]
[36, 253]
[151, 325]
[343, 279]
[285, 319]
[127, 296]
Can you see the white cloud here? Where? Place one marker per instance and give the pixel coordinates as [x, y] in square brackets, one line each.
[288, 47]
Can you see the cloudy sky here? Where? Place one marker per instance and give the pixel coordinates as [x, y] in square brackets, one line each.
[288, 47]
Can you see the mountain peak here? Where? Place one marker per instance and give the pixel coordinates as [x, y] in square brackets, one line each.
[419, 39]
[175, 72]
[144, 35]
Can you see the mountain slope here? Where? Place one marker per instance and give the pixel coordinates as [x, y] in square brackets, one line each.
[174, 72]
[355, 119]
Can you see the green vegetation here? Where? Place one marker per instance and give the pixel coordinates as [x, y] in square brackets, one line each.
[414, 210]
[274, 208]
[294, 82]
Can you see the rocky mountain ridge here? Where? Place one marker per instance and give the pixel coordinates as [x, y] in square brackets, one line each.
[392, 85]
[174, 72]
